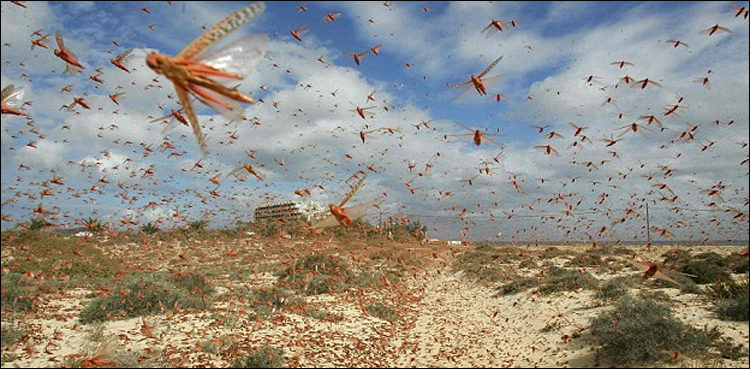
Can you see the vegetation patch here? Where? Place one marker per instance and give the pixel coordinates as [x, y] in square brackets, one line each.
[317, 274]
[642, 331]
[265, 357]
[56, 255]
[738, 263]
[559, 279]
[613, 289]
[517, 285]
[706, 271]
[149, 294]
[10, 334]
[19, 294]
[730, 299]
[587, 259]
[266, 302]
[149, 228]
[484, 263]
[197, 226]
[382, 311]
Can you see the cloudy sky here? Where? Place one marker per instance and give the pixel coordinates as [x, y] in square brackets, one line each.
[557, 70]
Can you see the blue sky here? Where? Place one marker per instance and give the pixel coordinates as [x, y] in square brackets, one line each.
[545, 62]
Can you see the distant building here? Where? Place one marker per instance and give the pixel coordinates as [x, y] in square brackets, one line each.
[290, 211]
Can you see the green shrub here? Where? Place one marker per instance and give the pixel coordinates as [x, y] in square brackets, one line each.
[93, 225]
[149, 228]
[268, 301]
[36, 224]
[382, 311]
[559, 279]
[484, 262]
[704, 272]
[317, 274]
[10, 333]
[145, 295]
[687, 285]
[18, 293]
[735, 308]
[528, 264]
[728, 350]
[265, 357]
[725, 289]
[193, 283]
[713, 258]
[738, 263]
[587, 259]
[517, 285]
[197, 226]
[638, 332]
[677, 257]
[613, 289]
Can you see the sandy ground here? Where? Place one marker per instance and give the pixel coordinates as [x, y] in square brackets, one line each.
[445, 320]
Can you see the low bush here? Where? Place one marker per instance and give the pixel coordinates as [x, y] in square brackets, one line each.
[147, 295]
[18, 293]
[484, 262]
[317, 274]
[705, 271]
[382, 311]
[613, 289]
[738, 263]
[265, 357]
[639, 332]
[266, 302]
[149, 228]
[517, 285]
[560, 279]
[731, 300]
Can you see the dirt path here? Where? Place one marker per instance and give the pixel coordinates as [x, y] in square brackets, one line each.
[458, 323]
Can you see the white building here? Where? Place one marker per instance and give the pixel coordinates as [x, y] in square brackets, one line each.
[289, 211]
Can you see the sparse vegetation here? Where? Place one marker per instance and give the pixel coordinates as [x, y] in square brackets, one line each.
[10, 334]
[705, 271]
[58, 255]
[738, 263]
[687, 285]
[560, 279]
[93, 225]
[517, 285]
[275, 228]
[528, 264]
[317, 274]
[639, 332]
[656, 295]
[18, 292]
[484, 263]
[613, 289]
[590, 258]
[36, 224]
[149, 228]
[382, 311]
[194, 283]
[268, 301]
[265, 357]
[730, 299]
[555, 279]
[147, 294]
[197, 226]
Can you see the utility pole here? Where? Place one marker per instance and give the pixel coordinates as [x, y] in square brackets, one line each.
[648, 227]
